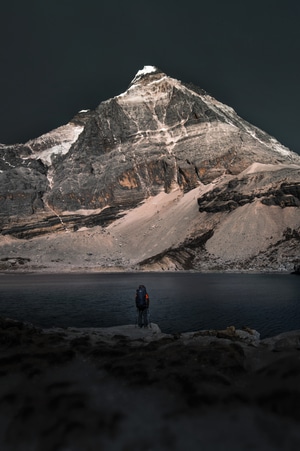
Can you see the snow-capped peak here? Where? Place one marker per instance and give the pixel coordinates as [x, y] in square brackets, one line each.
[146, 70]
[142, 72]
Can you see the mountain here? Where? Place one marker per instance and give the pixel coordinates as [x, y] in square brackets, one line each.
[162, 176]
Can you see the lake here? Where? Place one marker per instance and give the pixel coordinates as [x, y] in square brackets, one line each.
[179, 302]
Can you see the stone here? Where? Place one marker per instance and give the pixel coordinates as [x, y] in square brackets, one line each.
[117, 388]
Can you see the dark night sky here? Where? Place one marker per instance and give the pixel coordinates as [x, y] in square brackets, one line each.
[61, 56]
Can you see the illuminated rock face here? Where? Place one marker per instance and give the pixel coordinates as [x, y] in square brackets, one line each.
[158, 136]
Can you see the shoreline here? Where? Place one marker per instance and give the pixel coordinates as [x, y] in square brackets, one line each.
[115, 270]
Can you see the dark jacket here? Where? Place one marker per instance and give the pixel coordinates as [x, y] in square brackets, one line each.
[146, 298]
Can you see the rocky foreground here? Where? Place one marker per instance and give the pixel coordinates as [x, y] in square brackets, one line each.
[126, 388]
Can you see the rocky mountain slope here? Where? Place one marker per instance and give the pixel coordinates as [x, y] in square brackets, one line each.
[160, 177]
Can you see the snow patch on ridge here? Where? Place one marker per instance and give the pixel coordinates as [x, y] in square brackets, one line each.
[146, 70]
[60, 149]
[57, 142]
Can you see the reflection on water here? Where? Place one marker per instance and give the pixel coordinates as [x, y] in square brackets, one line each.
[179, 301]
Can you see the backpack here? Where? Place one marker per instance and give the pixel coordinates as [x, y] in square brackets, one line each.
[141, 301]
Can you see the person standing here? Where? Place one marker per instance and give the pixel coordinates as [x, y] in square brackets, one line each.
[142, 304]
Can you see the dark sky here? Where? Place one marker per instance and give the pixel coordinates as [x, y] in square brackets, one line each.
[61, 56]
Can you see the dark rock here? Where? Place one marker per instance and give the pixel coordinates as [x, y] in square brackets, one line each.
[183, 257]
[297, 269]
[239, 192]
[91, 389]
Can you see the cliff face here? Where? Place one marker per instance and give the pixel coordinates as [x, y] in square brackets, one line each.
[158, 138]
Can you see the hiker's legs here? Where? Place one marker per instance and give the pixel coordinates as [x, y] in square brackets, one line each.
[145, 317]
[140, 318]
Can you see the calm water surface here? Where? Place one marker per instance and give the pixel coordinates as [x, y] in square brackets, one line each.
[180, 302]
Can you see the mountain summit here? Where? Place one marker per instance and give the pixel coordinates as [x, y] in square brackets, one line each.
[162, 176]
[145, 72]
